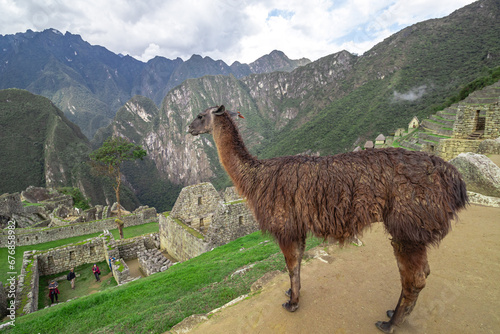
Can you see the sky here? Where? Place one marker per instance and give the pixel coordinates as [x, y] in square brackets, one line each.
[231, 30]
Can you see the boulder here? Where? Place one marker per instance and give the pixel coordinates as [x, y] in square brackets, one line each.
[36, 194]
[489, 146]
[480, 174]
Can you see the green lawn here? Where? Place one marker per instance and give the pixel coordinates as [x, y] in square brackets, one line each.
[128, 232]
[155, 303]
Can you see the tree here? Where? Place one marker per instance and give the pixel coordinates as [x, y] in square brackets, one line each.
[107, 161]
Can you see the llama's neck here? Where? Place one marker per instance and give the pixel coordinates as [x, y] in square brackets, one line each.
[233, 154]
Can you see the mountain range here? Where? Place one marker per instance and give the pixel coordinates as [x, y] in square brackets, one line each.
[323, 107]
[90, 83]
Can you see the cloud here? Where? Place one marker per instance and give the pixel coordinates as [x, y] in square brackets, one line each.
[224, 29]
[412, 95]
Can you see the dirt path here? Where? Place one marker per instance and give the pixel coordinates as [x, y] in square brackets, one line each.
[349, 289]
[133, 266]
[496, 159]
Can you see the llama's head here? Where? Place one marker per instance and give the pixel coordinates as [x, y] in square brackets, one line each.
[204, 122]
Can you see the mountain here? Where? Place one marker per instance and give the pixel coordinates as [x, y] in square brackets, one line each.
[330, 105]
[42, 148]
[90, 83]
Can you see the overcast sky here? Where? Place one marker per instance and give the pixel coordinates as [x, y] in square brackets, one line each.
[224, 29]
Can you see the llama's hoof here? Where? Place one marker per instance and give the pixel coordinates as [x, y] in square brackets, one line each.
[384, 326]
[288, 293]
[390, 313]
[289, 307]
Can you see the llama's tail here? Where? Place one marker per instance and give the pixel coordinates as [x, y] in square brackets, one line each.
[456, 189]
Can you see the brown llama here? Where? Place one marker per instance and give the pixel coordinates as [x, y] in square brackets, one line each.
[413, 193]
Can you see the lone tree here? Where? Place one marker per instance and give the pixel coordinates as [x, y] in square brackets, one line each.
[107, 161]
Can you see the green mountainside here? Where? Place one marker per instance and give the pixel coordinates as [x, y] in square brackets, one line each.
[41, 147]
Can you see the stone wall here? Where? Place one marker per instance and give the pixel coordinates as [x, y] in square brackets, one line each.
[32, 236]
[130, 248]
[231, 221]
[489, 146]
[27, 285]
[466, 121]
[62, 259]
[121, 272]
[180, 240]
[492, 126]
[184, 239]
[195, 205]
[450, 148]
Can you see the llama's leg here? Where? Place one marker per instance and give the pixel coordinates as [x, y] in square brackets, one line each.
[414, 269]
[293, 252]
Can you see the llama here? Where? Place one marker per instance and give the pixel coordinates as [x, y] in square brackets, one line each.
[415, 195]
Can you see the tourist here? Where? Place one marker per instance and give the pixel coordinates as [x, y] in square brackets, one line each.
[111, 260]
[53, 291]
[97, 272]
[71, 277]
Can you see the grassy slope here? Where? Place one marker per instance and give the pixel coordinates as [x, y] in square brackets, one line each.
[155, 303]
[129, 232]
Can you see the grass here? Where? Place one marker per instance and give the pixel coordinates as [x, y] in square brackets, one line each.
[155, 303]
[128, 232]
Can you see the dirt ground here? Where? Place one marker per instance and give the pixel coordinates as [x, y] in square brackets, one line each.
[347, 290]
[133, 266]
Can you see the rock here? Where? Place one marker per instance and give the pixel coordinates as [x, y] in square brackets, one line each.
[475, 198]
[188, 324]
[480, 174]
[489, 146]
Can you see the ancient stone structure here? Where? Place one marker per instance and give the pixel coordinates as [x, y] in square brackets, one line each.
[195, 205]
[32, 236]
[473, 124]
[62, 259]
[414, 123]
[152, 261]
[380, 140]
[201, 220]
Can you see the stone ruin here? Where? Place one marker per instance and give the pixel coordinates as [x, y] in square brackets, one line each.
[152, 261]
[47, 207]
[202, 219]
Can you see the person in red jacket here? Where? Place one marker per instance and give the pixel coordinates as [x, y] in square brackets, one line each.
[53, 291]
[97, 272]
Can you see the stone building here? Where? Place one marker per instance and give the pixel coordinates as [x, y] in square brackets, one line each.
[380, 140]
[201, 220]
[474, 123]
[414, 123]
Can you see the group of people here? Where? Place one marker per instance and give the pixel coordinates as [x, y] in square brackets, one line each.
[53, 285]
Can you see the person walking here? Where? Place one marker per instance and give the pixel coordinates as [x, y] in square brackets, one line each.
[53, 291]
[97, 272]
[71, 277]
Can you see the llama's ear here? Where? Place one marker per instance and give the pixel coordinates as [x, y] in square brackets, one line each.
[219, 111]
